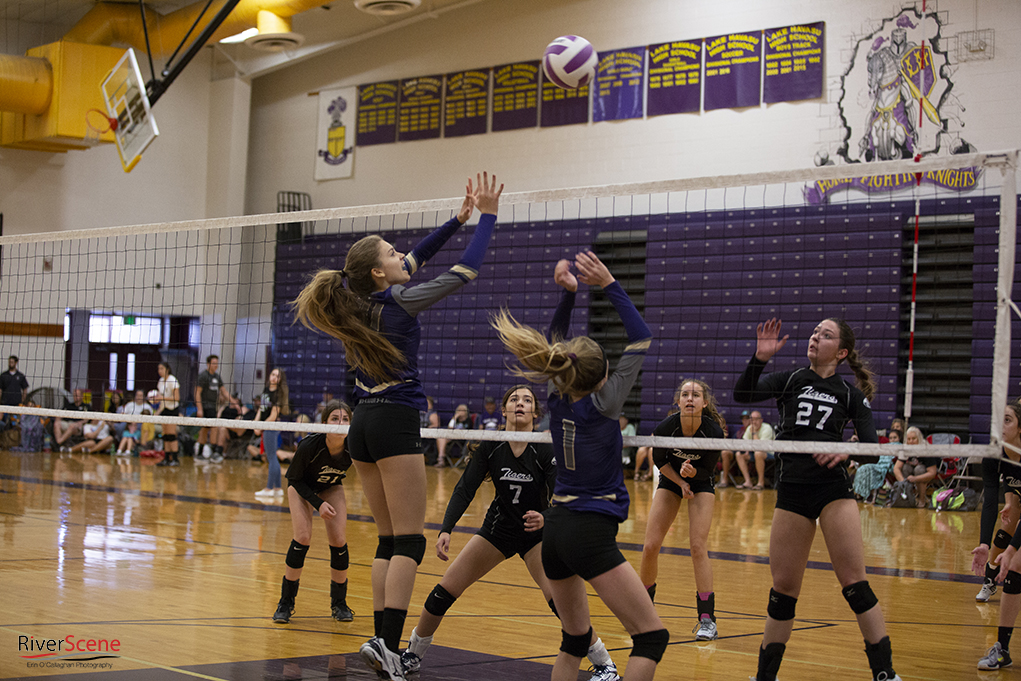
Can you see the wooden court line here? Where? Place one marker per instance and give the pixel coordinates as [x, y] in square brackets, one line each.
[929, 575]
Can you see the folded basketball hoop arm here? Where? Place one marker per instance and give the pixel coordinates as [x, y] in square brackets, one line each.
[156, 87]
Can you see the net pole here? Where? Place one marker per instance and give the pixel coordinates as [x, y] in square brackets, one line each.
[1004, 286]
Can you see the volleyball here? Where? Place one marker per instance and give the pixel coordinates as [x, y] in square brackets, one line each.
[570, 62]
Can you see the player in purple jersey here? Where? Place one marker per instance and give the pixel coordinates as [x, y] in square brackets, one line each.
[1005, 567]
[687, 474]
[375, 316]
[316, 475]
[523, 475]
[589, 500]
[816, 404]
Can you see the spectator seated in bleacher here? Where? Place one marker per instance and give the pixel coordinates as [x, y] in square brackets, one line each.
[757, 430]
[919, 470]
[234, 443]
[870, 477]
[289, 440]
[490, 418]
[97, 437]
[68, 431]
[131, 437]
[727, 456]
[462, 420]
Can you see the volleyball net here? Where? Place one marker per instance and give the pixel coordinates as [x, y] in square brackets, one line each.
[919, 258]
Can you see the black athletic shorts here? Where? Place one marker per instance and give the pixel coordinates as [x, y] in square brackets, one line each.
[809, 499]
[381, 429]
[695, 485]
[208, 412]
[170, 412]
[510, 541]
[583, 544]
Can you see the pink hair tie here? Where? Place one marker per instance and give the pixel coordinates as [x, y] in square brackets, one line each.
[572, 356]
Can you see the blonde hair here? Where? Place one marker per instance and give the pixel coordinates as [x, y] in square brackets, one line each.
[707, 394]
[326, 305]
[575, 366]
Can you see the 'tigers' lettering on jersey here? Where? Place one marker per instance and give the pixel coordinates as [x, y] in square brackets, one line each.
[508, 474]
[811, 394]
[681, 454]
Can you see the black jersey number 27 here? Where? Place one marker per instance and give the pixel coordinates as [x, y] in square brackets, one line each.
[805, 412]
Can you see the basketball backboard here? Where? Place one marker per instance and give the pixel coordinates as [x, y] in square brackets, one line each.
[127, 102]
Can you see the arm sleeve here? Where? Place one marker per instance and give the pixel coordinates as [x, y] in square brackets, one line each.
[561, 321]
[660, 455]
[637, 329]
[749, 388]
[306, 493]
[430, 245]
[296, 474]
[466, 487]
[610, 399]
[990, 499]
[864, 425]
[549, 467]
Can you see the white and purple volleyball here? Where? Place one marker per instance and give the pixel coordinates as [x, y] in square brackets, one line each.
[570, 62]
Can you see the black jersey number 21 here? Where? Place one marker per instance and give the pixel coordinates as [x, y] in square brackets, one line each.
[805, 410]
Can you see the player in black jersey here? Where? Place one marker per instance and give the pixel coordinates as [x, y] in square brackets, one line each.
[687, 475]
[1004, 567]
[590, 500]
[316, 477]
[816, 404]
[523, 475]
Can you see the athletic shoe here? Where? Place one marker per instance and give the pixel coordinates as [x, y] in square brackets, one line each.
[195, 451]
[988, 591]
[278, 492]
[207, 452]
[602, 672]
[883, 677]
[342, 613]
[385, 662]
[705, 630]
[217, 457]
[264, 493]
[411, 662]
[285, 608]
[996, 658]
[175, 462]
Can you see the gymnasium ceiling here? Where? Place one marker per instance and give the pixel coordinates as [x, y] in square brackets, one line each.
[28, 23]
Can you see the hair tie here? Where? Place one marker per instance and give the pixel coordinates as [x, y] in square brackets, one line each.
[343, 273]
[573, 356]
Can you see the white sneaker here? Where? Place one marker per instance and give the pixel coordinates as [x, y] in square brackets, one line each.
[264, 493]
[195, 451]
[207, 452]
[411, 662]
[385, 662]
[278, 492]
[705, 630]
[988, 591]
[607, 672]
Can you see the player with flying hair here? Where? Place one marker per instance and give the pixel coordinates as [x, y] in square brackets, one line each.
[590, 499]
[815, 405]
[522, 474]
[367, 306]
[316, 476]
[687, 474]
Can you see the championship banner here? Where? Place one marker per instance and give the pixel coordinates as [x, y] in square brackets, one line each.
[418, 115]
[377, 113]
[620, 77]
[732, 70]
[675, 77]
[334, 145]
[516, 96]
[563, 107]
[794, 64]
[958, 179]
[464, 107]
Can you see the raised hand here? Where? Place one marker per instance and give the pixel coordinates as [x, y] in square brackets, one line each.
[487, 196]
[768, 341]
[563, 277]
[591, 270]
[467, 205]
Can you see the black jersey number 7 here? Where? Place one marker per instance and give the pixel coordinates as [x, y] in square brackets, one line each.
[805, 413]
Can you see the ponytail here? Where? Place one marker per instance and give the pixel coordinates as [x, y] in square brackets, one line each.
[862, 373]
[575, 366]
[325, 304]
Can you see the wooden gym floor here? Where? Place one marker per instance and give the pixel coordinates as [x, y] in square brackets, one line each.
[182, 567]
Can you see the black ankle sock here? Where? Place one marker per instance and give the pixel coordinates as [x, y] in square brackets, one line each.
[1003, 636]
[393, 627]
[880, 658]
[377, 622]
[770, 658]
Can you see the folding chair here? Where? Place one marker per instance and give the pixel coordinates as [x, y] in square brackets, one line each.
[951, 469]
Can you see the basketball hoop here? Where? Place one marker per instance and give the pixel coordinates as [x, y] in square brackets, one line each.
[97, 124]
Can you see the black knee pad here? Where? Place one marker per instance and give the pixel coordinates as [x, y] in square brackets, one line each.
[860, 597]
[439, 601]
[170, 438]
[576, 646]
[553, 607]
[781, 606]
[1012, 584]
[385, 547]
[410, 546]
[651, 644]
[296, 555]
[1002, 539]
[339, 558]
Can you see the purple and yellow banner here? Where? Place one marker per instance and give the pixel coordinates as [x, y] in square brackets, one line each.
[619, 79]
[516, 96]
[563, 107]
[675, 72]
[794, 63]
[464, 109]
[732, 70]
[956, 179]
[377, 113]
[419, 113]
